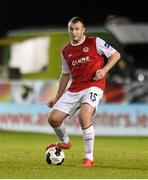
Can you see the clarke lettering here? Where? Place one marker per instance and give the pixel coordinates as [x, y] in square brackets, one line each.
[81, 61]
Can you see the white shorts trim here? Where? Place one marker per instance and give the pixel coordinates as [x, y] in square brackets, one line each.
[70, 102]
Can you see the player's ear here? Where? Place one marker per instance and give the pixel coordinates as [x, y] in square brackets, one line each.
[83, 29]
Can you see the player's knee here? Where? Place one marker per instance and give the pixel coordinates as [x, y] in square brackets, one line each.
[85, 120]
[53, 120]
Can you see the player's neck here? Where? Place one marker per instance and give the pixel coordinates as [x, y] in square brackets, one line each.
[76, 43]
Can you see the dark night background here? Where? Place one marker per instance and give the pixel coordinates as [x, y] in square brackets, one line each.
[30, 14]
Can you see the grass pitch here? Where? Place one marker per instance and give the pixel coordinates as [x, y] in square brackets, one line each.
[22, 156]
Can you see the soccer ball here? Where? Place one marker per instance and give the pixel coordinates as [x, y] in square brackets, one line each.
[54, 155]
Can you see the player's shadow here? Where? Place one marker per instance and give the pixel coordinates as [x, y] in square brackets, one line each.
[122, 167]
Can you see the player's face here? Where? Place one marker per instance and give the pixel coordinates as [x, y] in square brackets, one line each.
[76, 31]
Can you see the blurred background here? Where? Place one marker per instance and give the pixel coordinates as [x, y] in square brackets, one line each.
[31, 37]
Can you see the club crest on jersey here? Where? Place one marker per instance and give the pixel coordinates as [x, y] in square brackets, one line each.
[85, 49]
[69, 55]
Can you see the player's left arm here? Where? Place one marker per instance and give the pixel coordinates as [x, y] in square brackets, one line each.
[112, 55]
[113, 59]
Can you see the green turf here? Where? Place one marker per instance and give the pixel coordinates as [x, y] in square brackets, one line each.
[22, 156]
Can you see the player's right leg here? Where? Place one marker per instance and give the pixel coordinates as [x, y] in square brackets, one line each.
[65, 106]
[55, 119]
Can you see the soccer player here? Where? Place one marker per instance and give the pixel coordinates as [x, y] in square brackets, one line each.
[83, 64]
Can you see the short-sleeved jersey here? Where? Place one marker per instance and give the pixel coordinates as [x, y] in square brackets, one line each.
[83, 60]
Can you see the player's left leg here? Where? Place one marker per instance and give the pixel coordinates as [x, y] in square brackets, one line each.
[88, 133]
[90, 100]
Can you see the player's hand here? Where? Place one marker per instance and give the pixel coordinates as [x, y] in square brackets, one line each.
[99, 75]
[51, 102]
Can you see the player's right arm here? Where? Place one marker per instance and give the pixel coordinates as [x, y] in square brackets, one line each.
[64, 79]
[63, 82]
